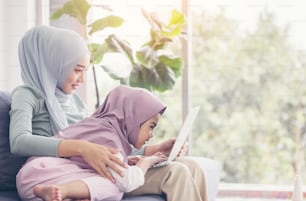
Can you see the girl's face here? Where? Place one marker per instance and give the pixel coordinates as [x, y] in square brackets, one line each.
[76, 77]
[146, 131]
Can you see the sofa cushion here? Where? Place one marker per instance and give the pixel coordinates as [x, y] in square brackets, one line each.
[13, 196]
[9, 196]
[144, 198]
[9, 163]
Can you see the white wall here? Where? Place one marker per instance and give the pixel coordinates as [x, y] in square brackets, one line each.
[16, 16]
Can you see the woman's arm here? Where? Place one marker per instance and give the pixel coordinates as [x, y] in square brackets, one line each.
[30, 135]
[99, 157]
[27, 134]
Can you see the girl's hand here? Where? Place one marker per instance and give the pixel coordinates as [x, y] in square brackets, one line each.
[100, 157]
[132, 160]
[156, 158]
[146, 162]
[165, 148]
[183, 150]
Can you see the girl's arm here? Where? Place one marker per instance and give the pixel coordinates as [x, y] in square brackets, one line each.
[133, 176]
[163, 147]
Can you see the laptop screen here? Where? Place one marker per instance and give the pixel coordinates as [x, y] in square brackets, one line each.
[184, 132]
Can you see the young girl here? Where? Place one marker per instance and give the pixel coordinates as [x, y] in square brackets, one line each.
[127, 117]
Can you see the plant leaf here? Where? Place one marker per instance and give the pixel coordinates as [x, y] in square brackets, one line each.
[117, 45]
[57, 14]
[154, 23]
[75, 8]
[175, 25]
[142, 77]
[147, 56]
[109, 21]
[175, 63]
[173, 32]
[123, 80]
[97, 52]
[177, 18]
[166, 78]
[160, 78]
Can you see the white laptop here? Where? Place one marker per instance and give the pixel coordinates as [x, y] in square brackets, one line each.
[182, 136]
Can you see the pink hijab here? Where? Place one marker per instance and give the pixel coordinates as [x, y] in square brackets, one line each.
[117, 121]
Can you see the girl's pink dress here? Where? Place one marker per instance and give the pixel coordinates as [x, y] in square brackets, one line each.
[51, 170]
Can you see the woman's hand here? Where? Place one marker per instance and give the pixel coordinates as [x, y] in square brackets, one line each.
[97, 156]
[101, 157]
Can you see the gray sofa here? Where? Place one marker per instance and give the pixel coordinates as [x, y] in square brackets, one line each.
[10, 164]
[13, 196]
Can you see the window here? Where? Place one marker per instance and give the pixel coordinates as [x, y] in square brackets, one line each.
[247, 72]
[249, 78]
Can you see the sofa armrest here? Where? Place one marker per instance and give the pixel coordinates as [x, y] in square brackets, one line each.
[212, 175]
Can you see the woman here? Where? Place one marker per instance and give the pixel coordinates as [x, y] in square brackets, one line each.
[50, 58]
[53, 64]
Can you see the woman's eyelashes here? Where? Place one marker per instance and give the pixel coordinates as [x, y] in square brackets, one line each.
[153, 125]
[80, 68]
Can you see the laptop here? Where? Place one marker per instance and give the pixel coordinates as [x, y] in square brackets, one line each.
[182, 136]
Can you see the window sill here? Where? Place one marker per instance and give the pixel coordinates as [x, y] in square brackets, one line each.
[255, 191]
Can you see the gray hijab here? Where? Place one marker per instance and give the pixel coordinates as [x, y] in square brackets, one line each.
[47, 56]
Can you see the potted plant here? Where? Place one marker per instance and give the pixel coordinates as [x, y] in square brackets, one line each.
[153, 68]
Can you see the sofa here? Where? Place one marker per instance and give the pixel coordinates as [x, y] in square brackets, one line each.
[10, 164]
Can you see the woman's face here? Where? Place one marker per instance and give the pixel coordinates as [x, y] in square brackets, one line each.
[146, 131]
[76, 77]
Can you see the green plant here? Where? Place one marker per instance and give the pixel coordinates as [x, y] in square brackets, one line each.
[152, 68]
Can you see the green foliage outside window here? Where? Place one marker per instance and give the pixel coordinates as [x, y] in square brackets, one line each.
[251, 88]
